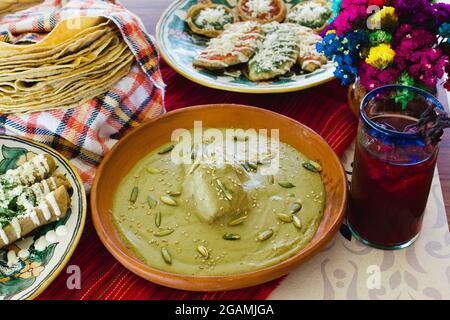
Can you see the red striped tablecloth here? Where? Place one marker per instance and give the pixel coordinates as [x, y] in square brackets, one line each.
[322, 108]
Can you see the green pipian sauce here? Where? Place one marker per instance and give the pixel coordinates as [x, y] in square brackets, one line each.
[136, 221]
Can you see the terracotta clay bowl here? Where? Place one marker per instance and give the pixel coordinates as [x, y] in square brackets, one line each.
[140, 141]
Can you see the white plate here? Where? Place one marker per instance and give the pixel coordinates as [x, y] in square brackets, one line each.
[27, 278]
[179, 46]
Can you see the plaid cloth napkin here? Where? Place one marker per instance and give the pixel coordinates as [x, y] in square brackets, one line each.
[85, 133]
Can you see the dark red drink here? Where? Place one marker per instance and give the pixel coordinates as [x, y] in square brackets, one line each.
[389, 197]
[392, 174]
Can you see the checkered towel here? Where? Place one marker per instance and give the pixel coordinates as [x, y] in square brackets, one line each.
[84, 133]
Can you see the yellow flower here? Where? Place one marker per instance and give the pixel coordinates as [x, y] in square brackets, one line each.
[384, 19]
[380, 56]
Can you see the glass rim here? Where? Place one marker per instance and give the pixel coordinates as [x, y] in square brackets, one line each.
[390, 132]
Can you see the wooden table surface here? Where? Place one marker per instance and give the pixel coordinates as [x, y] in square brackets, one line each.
[151, 10]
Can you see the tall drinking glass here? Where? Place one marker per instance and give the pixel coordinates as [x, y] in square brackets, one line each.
[393, 167]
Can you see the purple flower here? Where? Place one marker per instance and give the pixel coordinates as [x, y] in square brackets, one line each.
[422, 13]
[416, 53]
[372, 77]
[441, 13]
[408, 40]
[416, 12]
[427, 65]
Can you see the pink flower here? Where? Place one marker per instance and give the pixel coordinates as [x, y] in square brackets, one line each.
[372, 77]
[352, 16]
[427, 65]
[413, 38]
[408, 40]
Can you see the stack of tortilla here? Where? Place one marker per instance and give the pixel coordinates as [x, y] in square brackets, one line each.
[11, 6]
[79, 60]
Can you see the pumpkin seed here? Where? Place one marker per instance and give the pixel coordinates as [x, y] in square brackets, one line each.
[225, 191]
[295, 207]
[175, 193]
[152, 202]
[286, 184]
[231, 236]
[163, 232]
[237, 221]
[166, 255]
[203, 251]
[285, 217]
[252, 165]
[134, 194]
[297, 222]
[194, 166]
[166, 149]
[309, 166]
[292, 195]
[153, 170]
[168, 200]
[264, 235]
[316, 165]
[246, 167]
[158, 219]
[271, 179]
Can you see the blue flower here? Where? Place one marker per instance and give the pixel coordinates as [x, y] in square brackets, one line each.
[344, 51]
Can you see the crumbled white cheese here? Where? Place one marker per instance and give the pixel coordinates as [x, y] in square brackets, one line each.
[278, 48]
[233, 41]
[209, 17]
[308, 14]
[256, 8]
[25, 202]
[7, 194]
[27, 172]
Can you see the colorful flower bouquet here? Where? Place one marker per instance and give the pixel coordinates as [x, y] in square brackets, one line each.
[384, 42]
